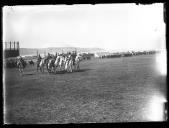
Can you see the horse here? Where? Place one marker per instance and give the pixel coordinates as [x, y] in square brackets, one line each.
[42, 64]
[21, 64]
[77, 62]
[51, 65]
[69, 63]
[38, 63]
[56, 63]
[61, 63]
[31, 62]
[47, 61]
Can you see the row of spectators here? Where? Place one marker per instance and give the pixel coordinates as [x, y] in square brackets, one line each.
[126, 54]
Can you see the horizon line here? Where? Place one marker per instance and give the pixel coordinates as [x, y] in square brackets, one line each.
[106, 50]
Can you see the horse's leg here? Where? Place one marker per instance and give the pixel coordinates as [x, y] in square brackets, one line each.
[67, 68]
[22, 70]
[41, 69]
[78, 66]
[54, 68]
[59, 68]
[74, 67]
[47, 67]
[19, 70]
[71, 68]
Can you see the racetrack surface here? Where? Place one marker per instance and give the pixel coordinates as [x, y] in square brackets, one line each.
[104, 90]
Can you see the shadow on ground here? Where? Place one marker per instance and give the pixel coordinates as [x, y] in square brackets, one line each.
[64, 72]
[83, 70]
[28, 74]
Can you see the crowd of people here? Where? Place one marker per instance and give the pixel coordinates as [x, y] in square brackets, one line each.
[126, 54]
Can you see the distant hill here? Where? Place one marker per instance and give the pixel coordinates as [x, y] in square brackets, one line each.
[33, 51]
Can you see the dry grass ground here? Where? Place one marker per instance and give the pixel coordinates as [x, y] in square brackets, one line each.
[104, 90]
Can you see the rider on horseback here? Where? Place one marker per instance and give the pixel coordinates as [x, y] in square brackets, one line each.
[20, 59]
[73, 57]
[39, 57]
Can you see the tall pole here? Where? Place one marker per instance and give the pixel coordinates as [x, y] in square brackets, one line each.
[14, 45]
[18, 48]
[10, 45]
[18, 45]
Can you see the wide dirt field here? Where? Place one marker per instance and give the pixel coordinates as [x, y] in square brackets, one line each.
[104, 90]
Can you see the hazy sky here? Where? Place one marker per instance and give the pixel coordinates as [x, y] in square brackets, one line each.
[108, 26]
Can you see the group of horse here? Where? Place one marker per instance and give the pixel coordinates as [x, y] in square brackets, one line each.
[63, 62]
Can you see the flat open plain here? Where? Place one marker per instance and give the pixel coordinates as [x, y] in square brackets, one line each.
[104, 90]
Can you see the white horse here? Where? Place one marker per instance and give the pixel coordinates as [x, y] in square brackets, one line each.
[69, 64]
[42, 64]
[61, 63]
[56, 63]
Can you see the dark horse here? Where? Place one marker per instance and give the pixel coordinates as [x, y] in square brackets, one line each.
[31, 62]
[38, 62]
[21, 64]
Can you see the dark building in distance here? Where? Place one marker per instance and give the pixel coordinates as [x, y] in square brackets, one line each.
[11, 49]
